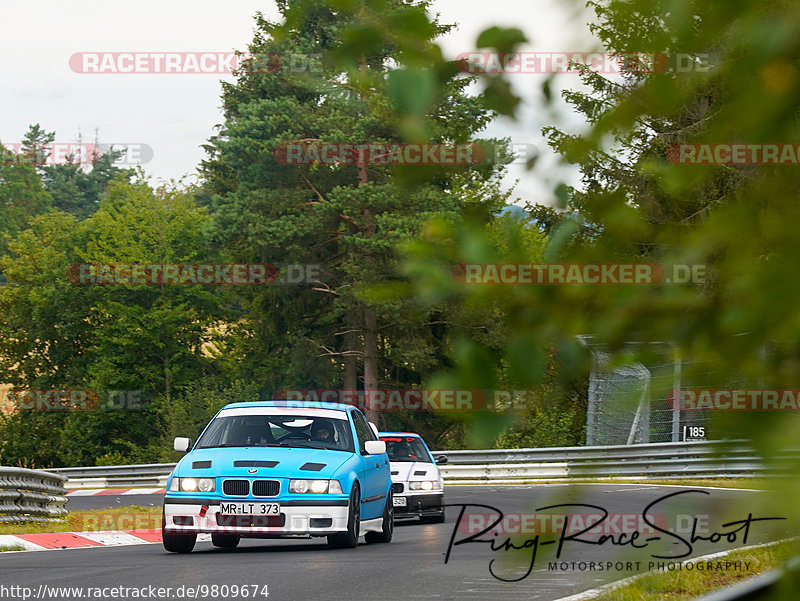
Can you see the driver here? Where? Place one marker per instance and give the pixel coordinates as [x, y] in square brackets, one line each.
[403, 451]
[322, 431]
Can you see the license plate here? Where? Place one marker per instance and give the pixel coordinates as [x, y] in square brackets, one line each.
[250, 508]
[399, 501]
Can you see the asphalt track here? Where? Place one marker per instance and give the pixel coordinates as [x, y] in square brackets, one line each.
[412, 566]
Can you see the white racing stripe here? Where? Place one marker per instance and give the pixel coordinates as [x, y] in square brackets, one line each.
[114, 537]
[143, 491]
[88, 492]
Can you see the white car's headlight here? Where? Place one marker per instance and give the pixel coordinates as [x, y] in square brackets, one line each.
[332, 487]
[192, 484]
[423, 485]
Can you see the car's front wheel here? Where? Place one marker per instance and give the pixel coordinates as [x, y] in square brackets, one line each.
[178, 543]
[387, 527]
[225, 541]
[349, 539]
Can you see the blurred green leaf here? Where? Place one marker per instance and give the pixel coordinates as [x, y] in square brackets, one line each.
[412, 90]
[503, 39]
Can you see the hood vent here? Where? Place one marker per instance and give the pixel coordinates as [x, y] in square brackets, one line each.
[255, 463]
[312, 467]
[200, 465]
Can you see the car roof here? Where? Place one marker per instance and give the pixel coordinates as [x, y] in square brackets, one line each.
[291, 404]
[399, 434]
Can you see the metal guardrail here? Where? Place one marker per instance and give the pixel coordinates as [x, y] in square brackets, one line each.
[31, 495]
[730, 447]
[684, 460]
[117, 476]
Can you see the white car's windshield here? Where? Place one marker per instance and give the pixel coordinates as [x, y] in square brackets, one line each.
[406, 448]
[298, 431]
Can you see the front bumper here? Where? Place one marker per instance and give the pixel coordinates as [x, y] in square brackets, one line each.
[419, 504]
[297, 518]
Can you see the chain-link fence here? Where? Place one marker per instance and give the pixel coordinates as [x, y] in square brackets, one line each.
[633, 395]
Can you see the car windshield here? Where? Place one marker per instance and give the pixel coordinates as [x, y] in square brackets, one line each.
[406, 448]
[296, 431]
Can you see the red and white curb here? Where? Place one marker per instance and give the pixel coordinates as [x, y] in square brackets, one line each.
[88, 492]
[44, 541]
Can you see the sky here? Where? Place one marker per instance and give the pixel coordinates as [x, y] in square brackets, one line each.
[164, 118]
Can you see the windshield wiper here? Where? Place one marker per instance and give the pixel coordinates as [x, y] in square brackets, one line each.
[306, 444]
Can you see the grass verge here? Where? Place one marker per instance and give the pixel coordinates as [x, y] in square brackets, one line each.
[681, 585]
[756, 483]
[132, 517]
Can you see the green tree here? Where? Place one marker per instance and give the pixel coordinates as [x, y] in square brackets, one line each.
[144, 338]
[78, 191]
[641, 205]
[149, 335]
[46, 335]
[21, 196]
[348, 217]
[35, 145]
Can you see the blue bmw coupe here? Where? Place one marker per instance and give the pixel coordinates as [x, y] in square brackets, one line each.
[271, 469]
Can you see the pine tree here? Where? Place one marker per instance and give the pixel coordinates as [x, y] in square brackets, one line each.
[348, 217]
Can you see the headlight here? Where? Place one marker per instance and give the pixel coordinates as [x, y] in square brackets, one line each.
[423, 485]
[206, 485]
[315, 486]
[192, 484]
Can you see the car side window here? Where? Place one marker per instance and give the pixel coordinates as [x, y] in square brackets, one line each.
[363, 431]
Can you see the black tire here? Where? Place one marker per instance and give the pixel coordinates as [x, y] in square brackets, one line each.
[385, 535]
[349, 539]
[225, 541]
[178, 543]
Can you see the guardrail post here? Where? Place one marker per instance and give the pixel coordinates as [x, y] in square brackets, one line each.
[676, 405]
[591, 404]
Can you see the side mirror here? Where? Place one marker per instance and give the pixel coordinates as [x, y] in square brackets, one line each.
[182, 444]
[375, 447]
[441, 459]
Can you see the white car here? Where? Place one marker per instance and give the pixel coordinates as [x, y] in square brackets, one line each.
[416, 481]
